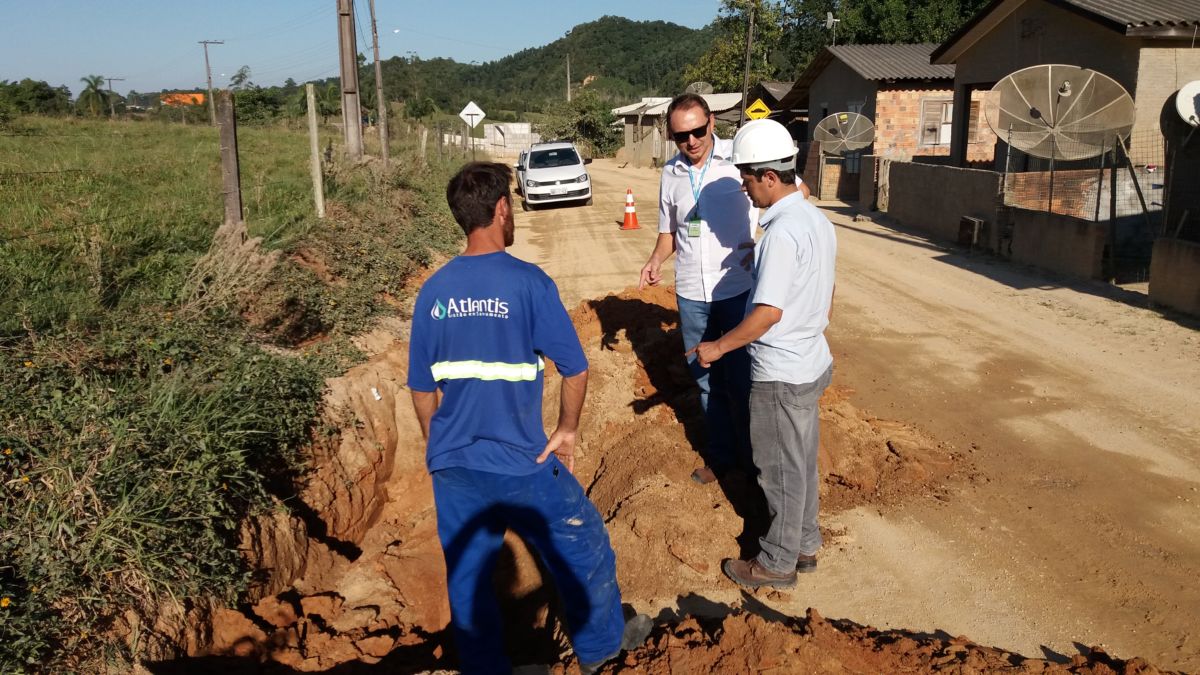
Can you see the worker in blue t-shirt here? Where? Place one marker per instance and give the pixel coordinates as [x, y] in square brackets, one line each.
[482, 326]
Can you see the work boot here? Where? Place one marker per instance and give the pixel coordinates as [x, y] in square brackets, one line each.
[752, 574]
[637, 629]
[806, 563]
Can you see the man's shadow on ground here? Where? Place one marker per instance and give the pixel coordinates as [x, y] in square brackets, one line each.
[654, 335]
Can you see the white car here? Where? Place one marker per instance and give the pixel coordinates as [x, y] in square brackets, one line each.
[553, 172]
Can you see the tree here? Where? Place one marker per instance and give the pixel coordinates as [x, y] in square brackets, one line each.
[94, 97]
[420, 108]
[34, 97]
[241, 79]
[586, 121]
[723, 65]
[870, 22]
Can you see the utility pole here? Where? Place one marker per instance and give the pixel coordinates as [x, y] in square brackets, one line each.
[112, 105]
[383, 120]
[212, 105]
[568, 77]
[746, 76]
[351, 110]
[314, 151]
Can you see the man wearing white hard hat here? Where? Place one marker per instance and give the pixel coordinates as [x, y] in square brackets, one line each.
[790, 363]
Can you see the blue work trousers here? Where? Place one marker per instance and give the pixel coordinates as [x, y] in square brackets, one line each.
[725, 386]
[549, 511]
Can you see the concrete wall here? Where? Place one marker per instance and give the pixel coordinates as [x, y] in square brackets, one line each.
[1059, 243]
[643, 143]
[867, 181]
[508, 139]
[834, 89]
[933, 199]
[1161, 72]
[1175, 275]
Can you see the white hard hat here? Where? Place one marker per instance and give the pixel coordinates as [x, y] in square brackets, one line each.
[764, 144]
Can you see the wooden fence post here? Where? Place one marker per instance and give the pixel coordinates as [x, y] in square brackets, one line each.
[424, 140]
[231, 180]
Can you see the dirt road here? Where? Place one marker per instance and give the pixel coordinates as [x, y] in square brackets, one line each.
[583, 247]
[1077, 408]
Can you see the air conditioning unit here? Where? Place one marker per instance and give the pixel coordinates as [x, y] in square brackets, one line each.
[970, 231]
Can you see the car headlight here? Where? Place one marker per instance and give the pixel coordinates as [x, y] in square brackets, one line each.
[531, 183]
[582, 179]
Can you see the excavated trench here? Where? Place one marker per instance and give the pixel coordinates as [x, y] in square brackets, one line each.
[352, 579]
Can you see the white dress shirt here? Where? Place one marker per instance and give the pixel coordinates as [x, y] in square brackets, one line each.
[708, 264]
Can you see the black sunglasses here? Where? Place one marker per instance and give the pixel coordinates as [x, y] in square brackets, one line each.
[698, 132]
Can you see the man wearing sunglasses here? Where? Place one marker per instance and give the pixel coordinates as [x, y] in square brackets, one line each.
[706, 219]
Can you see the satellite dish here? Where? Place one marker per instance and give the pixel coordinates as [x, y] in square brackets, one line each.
[829, 20]
[1060, 112]
[844, 132]
[699, 88]
[1187, 103]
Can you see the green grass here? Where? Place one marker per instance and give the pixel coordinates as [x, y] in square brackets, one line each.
[136, 434]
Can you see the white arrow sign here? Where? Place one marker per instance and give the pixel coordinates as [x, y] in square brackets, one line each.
[472, 114]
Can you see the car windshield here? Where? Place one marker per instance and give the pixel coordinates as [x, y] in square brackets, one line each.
[548, 159]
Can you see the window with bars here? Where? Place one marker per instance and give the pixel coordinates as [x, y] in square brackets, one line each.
[973, 123]
[937, 117]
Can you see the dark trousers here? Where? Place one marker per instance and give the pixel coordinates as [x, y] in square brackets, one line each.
[551, 513]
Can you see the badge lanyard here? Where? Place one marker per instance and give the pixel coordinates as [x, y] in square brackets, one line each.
[697, 188]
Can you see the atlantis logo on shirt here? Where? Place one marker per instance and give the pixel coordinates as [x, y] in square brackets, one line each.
[457, 308]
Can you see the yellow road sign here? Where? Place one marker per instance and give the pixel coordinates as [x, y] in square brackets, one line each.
[757, 110]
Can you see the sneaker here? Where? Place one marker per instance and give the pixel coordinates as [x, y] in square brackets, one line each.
[637, 629]
[752, 574]
[806, 563]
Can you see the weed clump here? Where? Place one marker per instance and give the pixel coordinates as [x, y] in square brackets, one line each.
[142, 421]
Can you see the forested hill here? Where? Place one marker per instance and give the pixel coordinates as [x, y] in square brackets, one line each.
[619, 59]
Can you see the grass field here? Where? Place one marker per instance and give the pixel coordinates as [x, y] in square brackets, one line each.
[139, 427]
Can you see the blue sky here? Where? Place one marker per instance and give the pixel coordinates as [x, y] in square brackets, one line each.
[153, 44]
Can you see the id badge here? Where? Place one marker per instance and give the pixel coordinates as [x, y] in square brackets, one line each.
[694, 227]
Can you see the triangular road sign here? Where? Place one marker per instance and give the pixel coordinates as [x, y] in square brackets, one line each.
[757, 110]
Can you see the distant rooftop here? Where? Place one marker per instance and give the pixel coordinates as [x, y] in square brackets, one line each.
[887, 62]
[1177, 19]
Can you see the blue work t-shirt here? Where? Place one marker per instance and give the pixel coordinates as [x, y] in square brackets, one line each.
[481, 326]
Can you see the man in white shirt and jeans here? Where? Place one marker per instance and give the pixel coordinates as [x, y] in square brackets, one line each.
[791, 365]
[704, 216]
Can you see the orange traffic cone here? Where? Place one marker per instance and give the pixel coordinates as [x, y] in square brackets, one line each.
[631, 222]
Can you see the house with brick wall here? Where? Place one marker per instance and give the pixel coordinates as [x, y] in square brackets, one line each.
[1150, 47]
[910, 101]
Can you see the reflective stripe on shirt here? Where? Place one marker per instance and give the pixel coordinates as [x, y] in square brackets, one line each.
[482, 370]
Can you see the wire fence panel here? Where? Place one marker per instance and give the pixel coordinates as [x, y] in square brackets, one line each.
[1123, 186]
[1113, 184]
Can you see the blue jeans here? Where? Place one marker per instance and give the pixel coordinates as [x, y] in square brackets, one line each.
[784, 429]
[724, 387]
[551, 513]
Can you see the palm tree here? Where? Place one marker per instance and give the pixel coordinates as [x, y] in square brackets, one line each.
[93, 97]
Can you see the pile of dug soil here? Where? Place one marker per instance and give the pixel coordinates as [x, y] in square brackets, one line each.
[746, 643]
[354, 576]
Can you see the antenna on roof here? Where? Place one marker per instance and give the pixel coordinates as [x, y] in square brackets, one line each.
[1060, 112]
[843, 133]
[700, 87]
[831, 24]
